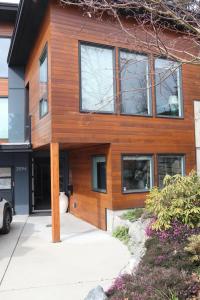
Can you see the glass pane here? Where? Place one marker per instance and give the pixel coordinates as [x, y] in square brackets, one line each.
[169, 165]
[4, 118]
[44, 76]
[97, 82]
[43, 107]
[99, 173]
[4, 48]
[5, 172]
[167, 76]
[5, 183]
[134, 83]
[137, 173]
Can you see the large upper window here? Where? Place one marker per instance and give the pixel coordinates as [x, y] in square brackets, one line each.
[169, 165]
[4, 48]
[4, 118]
[135, 91]
[168, 88]
[44, 83]
[99, 173]
[137, 173]
[97, 79]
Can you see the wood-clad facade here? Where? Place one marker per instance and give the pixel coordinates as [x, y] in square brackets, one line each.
[80, 135]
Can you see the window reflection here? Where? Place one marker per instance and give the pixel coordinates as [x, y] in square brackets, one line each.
[97, 82]
[4, 48]
[135, 93]
[167, 81]
[137, 173]
[169, 165]
[4, 118]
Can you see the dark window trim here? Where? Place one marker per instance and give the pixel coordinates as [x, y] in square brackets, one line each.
[5, 37]
[181, 117]
[152, 172]
[80, 42]
[183, 155]
[149, 80]
[42, 56]
[8, 177]
[93, 189]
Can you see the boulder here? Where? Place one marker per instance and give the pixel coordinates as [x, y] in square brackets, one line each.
[96, 294]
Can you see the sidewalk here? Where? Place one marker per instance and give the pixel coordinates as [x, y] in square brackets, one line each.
[42, 270]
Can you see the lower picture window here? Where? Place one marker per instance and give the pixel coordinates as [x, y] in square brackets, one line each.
[5, 178]
[43, 107]
[99, 173]
[170, 165]
[137, 173]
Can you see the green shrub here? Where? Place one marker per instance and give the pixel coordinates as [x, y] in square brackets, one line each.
[121, 233]
[194, 248]
[132, 214]
[178, 200]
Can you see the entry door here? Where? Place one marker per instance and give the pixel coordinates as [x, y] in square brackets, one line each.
[197, 133]
[7, 184]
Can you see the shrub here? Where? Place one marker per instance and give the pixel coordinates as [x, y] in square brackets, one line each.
[154, 284]
[194, 248]
[121, 233]
[133, 214]
[178, 200]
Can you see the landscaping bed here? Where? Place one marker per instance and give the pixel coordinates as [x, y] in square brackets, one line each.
[170, 267]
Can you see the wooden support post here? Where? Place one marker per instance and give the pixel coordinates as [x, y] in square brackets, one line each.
[55, 212]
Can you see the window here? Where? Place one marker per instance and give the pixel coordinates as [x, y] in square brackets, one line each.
[99, 173]
[137, 173]
[168, 88]
[135, 87]
[44, 84]
[4, 118]
[4, 48]
[169, 165]
[5, 178]
[97, 79]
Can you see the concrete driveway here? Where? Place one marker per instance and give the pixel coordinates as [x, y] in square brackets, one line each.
[31, 267]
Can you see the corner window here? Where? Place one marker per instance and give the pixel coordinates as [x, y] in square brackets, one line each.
[99, 173]
[4, 118]
[5, 178]
[137, 173]
[4, 48]
[44, 83]
[168, 88]
[97, 79]
[170, 165]
[135, 84]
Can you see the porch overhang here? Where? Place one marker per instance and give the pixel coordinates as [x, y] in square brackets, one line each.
[26, 147]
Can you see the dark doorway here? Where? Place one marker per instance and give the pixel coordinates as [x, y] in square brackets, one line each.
[42, 183]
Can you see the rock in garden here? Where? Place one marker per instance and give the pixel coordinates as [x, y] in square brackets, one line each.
[96, 294]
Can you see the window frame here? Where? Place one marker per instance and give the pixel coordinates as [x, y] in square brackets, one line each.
[8, 177]
[104, 46]
[181, 100]
[149, 89]
[5, 37]
[41, 98]
[5, 138]
[182, 155]
[152, 172]
[92, 179]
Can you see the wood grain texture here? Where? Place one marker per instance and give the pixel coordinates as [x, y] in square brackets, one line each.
[55, 211]
[86, 203]
[41, 128]
[87, 134]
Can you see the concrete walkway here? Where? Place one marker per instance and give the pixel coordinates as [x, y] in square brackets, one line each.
[31, 267]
